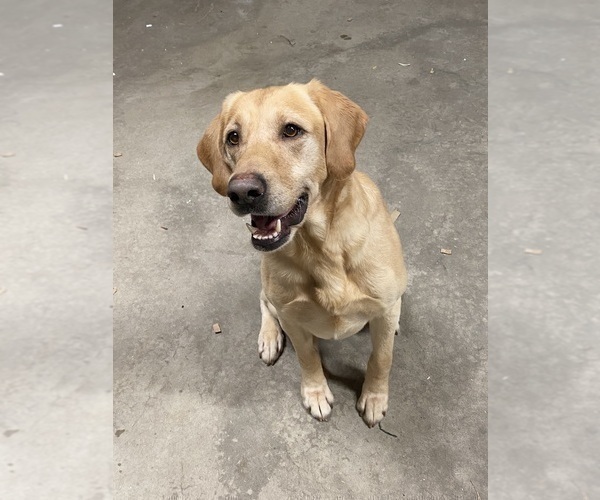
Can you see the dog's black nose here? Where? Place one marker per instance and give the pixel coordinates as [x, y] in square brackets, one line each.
[246, 190]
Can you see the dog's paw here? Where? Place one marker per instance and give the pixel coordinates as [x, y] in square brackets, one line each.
[318, 401]
[270, 346]
[372, 407]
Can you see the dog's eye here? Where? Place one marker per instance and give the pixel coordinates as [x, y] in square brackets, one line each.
[291, 130]
[233, 138]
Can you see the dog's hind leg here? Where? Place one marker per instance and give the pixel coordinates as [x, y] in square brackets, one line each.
[270, 338]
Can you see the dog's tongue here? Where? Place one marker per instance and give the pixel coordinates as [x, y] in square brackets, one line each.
[264, 222]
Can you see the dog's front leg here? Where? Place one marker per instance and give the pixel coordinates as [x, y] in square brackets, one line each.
[373, 401]
[316, 396]
[270, 338]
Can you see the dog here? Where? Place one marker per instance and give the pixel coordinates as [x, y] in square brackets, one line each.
[332, 259]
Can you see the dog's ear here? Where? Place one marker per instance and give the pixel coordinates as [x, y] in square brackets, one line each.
[345, 124]
[210, 153]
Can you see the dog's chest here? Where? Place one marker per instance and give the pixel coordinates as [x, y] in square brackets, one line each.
[334, 308]
[326, 324]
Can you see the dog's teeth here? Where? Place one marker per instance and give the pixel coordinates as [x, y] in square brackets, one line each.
[278, 226]
[271, 236]
[251, 228]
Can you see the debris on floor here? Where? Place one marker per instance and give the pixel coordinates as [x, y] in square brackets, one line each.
[446, 251]
[404, 64]
[165, 228]
[394, 215]
[216, 328]
[477, 493]
[114, 290]
[291, 42]
[118, 432]
[7, 154]
[386, 432]
[116, 155]
[533, 251]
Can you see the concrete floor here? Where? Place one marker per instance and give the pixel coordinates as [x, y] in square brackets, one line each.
[55, 250]
[544, 191]
[198, 415]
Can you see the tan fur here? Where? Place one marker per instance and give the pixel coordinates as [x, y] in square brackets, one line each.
[343, 266]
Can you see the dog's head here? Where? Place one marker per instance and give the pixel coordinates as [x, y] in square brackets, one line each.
[271, 150]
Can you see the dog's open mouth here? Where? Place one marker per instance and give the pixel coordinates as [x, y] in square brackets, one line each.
[270, 232]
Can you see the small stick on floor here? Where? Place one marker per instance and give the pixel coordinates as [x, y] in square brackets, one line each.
[386, 432]
[476, 492]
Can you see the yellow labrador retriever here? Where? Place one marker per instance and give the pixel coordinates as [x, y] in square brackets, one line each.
[332, 258]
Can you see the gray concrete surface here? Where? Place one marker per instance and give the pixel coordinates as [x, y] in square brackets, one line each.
[55, 250]
[544, 191]
[198, 415]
